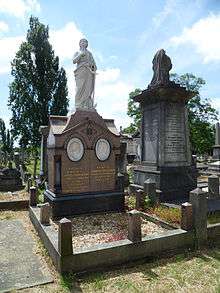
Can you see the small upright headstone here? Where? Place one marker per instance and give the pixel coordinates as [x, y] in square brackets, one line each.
[134, 226]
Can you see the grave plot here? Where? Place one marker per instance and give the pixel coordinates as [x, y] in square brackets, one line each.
[14, 200]
[105, 228]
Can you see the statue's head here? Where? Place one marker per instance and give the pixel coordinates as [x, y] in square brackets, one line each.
[83, 43]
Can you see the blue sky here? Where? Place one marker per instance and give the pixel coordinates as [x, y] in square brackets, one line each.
[123, 36]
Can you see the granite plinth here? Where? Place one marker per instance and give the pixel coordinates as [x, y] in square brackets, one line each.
[173, 182]
[75, 204]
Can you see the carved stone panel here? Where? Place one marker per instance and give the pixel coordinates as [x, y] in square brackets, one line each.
[150, 134]
[175, 139]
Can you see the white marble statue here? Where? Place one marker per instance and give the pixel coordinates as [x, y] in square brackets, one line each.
[85, 77]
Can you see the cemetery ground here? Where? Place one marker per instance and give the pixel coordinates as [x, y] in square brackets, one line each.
[185, 272]
[188, 271]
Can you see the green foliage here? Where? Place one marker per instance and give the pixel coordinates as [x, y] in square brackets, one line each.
[133, 112]
[6, 144]
[201, 114]
[39, 87]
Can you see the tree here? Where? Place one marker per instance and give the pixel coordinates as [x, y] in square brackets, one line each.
[201, 114]
[39, 88]
[6, 144]
[134, 112]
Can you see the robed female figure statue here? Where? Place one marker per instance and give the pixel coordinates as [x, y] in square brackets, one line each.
[85, 77]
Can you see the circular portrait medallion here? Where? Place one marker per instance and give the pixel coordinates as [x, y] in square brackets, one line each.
[102, 149]
[75, 149]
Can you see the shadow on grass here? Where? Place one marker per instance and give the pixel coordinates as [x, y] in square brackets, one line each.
[74, 282]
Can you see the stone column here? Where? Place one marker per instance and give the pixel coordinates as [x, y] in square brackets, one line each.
[43, 161]
[65, 246]
[198, 199]
[213, 186]
[134, 226]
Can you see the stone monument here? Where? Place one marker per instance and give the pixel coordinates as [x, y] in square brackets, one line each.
[10, 180]
[216, 147]
[83, 152]
[165, 147]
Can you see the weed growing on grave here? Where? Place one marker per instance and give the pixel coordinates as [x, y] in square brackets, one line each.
[67, 280]
[170, 215]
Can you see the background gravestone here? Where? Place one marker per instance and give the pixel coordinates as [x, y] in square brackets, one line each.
[165, 156]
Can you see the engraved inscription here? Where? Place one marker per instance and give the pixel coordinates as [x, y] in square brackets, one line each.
[175, 144]
[150, 134]
[77, 180]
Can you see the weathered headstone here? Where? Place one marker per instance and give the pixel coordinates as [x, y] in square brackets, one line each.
[165, 156]
[10, 179]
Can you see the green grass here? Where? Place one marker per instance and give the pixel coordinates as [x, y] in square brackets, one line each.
[170, 215]
[186, 272]
[214, 218]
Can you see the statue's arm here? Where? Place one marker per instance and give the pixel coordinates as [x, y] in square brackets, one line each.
[76, 57]
[93, 62]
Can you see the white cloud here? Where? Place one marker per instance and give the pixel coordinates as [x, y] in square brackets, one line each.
[9, 47]
[204, 35]
[3, 27]
[168, 9]
[66, 40]
[19, 8]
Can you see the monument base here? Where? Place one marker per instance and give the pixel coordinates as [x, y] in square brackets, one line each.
[173, 182]
[75, 204]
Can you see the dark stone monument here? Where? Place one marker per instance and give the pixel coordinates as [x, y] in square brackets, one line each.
[165, 149]
[83, 153]
[10, 180]
[216, 147]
